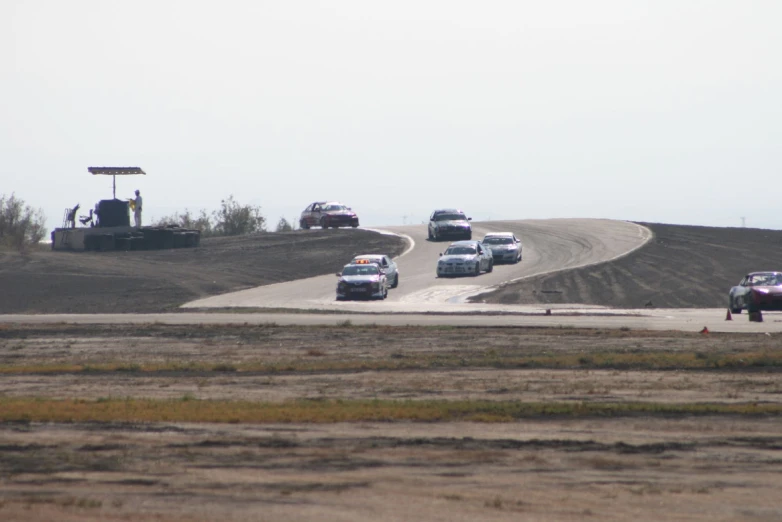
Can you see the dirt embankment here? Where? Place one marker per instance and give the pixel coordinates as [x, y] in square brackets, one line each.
[161, 280]
[681, 267]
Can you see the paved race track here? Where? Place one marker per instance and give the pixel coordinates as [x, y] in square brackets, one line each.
[549, 245]
[423, 299]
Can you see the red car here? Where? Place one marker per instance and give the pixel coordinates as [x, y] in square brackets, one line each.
[758, 291]
[327, 214]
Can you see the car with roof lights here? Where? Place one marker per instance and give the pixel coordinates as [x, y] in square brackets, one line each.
[386, 263]
[362, 280]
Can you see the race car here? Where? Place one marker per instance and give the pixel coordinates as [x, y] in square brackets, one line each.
[465, 258]
[386, 264]
[327, 214]
[447, 223]
[362, 280]
[758, 291]
[505, 246]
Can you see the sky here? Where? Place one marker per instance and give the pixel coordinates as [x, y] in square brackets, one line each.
[666, 111]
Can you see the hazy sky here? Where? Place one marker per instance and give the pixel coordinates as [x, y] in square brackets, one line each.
[663, 111]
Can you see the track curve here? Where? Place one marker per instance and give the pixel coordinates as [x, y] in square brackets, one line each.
[549, 245]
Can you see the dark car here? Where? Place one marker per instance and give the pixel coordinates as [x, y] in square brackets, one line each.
[758, 291]
[449, 223]
[327, 214]
[362, 280]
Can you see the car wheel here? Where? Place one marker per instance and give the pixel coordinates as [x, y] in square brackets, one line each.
[396, 281]
[477, 269]
[735, 307]
[491, 266]
[303, 225]
[469, 235]
[429, 233]
[323, 223]
[354, 226]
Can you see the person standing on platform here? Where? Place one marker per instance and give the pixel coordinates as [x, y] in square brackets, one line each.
[137, 209]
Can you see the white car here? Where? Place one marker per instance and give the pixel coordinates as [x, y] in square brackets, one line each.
[465, 258]
[362, 281]
[505, 247]
[386, 263]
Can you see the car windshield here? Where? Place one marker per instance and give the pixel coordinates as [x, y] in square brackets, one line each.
[498, 240]
[360, 270]
[332, 208]
[764, 280]
[460, 251]
[450, 217]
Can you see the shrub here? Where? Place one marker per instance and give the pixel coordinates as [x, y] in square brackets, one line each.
[187, 220]
[20, 224]
[234, 219]
[283, 225]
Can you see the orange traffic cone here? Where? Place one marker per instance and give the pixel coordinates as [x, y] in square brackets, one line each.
[705, 330]
[728, 317]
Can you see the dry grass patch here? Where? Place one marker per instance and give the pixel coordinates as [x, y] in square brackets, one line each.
[190, 409]
[318, 361]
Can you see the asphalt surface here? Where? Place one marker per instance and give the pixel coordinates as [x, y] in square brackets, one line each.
[686, 319]
[548, 246]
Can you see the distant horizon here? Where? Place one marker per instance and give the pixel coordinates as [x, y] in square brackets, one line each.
[660, 111]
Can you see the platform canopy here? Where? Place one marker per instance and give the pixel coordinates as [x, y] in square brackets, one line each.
[115, 171]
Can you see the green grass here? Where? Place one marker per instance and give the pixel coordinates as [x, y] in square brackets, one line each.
[190, 409]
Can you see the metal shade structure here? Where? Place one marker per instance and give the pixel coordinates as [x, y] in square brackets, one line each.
[114, 172]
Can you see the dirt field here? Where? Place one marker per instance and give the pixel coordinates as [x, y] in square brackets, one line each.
[161, 280]
[681, 267]
[618, 425]
[675, 464]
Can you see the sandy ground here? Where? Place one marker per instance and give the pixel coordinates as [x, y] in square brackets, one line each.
[650, 467]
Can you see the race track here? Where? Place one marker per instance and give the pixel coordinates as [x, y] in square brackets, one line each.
[549, 245]
[423, 299]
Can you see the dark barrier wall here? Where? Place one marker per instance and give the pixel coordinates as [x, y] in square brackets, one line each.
[113, 213]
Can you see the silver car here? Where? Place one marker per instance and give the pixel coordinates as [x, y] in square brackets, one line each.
[505, 247]
[465, 258]
[386, 263]
[362, 281]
